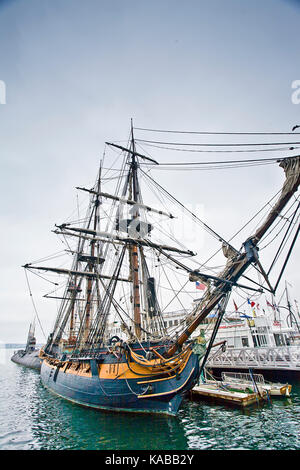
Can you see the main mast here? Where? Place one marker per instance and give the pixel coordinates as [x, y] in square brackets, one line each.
[134, 257]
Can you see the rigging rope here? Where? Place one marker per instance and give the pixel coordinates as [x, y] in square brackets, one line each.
[35, 309]
[211, 167]
[215, 133]
[210, 230]
[220, 151]
[221, 162]
[283, 243]
[248, 144]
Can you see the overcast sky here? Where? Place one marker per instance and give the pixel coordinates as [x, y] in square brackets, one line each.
[76, 72]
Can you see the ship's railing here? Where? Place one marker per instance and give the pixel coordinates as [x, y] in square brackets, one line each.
[263, 357]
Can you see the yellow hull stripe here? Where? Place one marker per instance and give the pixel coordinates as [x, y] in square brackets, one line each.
[170, 391]
[157, 380]
[122, 371]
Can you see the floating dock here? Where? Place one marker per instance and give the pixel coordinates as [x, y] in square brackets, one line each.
[221, 392]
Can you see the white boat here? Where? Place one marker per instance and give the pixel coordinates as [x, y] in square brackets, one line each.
[262, 344]
[265, 344]
[273, 389]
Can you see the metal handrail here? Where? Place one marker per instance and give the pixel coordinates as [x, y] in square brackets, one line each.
[264, 356]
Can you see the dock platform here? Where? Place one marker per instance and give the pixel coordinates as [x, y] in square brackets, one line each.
[221, 393]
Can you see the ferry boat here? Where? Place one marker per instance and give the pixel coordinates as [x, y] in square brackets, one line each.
[265, 345]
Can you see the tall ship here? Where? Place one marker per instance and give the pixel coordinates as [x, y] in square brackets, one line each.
[121, 273]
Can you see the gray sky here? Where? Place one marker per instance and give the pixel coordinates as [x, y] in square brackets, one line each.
[76, 72]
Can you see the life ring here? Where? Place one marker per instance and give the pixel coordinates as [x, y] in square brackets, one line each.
[114, 339]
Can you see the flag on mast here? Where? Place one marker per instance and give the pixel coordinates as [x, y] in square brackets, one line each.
[270, 305]
[200, 286]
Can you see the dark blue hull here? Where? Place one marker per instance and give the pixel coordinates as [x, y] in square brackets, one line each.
[138, 394]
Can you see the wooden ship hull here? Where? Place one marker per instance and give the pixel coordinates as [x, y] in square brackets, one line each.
[125, 383]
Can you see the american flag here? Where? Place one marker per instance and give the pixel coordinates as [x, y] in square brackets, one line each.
[200, 286]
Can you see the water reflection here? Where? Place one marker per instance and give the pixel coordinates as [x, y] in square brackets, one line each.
[59, 424]
[34, 418]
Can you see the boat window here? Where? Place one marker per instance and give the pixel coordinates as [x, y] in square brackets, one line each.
[262, 340]
[262, 329]
[279, 339]
[245, 342]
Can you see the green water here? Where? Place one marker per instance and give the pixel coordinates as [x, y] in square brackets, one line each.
[34, 418]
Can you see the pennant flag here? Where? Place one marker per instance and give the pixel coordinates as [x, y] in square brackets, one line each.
[270, 305]
[252, 304]
[248, 300]
[245, 316]
[235, 306]
[200, 286]
[276, 323]
[257, 306]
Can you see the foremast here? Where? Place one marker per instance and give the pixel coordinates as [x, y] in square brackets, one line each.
[91, 263]
[90, 335]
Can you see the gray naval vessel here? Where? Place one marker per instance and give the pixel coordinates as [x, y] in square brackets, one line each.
[29, 357]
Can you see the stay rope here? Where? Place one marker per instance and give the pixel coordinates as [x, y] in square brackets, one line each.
[34, 306]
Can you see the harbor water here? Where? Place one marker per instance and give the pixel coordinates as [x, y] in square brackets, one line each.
[32, 418]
